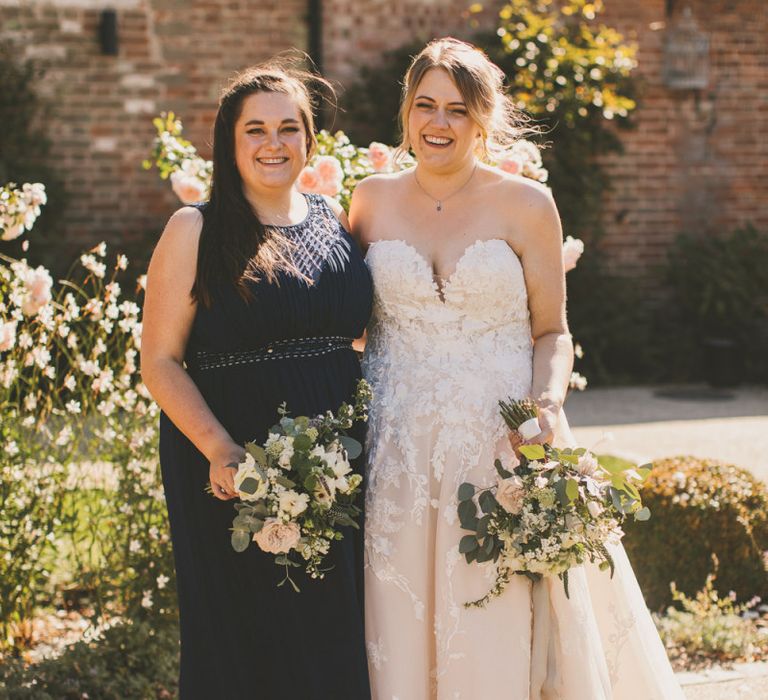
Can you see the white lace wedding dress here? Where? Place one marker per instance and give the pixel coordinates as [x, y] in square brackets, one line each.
[438, 361]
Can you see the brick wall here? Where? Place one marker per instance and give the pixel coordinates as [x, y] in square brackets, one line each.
[173, 55]
[697, 160]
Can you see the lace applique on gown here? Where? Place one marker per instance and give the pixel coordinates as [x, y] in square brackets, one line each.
[438, 359]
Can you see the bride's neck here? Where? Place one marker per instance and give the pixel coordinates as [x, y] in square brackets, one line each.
[440, 183]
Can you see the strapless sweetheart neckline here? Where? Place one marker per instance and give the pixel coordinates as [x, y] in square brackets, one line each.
[441, 290]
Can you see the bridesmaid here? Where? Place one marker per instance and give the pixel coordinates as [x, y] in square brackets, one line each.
[253, 298]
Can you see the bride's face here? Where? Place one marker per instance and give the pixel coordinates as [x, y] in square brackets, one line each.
[442, 134]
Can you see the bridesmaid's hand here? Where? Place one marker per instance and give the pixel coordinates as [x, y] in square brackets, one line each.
[223, 469]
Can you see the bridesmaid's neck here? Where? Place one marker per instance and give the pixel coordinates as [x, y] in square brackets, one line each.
[279, 208]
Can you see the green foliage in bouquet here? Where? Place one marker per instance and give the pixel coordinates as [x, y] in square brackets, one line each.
[700, 507]
[708, 626]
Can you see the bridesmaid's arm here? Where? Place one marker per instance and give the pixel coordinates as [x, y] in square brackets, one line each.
[169, 312]
[542, 259]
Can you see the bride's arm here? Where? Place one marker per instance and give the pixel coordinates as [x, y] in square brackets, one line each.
[542, 258]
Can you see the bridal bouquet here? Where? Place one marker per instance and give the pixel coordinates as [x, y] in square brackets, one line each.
[549, 510]
[297, 489]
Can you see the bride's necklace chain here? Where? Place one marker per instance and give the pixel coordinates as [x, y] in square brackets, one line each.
[439, 202]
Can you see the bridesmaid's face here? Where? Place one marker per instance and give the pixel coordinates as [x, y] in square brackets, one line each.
[442, 134]
[270, 142]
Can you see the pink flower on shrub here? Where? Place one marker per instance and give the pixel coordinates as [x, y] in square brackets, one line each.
[331, 175]
[309, 180]
[511, 164]
[572, 250]
[188, 188]
[38, 285]
[380, 156]
[7, 335]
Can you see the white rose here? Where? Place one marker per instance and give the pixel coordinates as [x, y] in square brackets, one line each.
[510, 494]
[247, 470]
[285, 456]
[277, 537]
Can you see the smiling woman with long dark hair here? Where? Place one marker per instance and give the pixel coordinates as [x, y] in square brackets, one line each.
[244, 294]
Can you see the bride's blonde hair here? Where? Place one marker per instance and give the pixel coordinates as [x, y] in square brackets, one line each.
[481, 84]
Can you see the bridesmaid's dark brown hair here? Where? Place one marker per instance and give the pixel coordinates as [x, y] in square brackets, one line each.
[235, 246]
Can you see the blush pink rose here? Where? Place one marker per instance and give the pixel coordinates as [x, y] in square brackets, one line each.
[510, 494]
[380, 156]
[38, 285]
[309, 180]
[572, 250]
[277, 537]
[7, 335]
[188, 189]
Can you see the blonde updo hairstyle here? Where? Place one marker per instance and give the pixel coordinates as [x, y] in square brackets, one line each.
[481, 84]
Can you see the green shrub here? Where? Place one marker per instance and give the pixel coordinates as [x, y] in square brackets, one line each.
[126, 662]
[700, 507]
[719, 288]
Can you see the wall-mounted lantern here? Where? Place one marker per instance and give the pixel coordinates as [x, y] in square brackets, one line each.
[686, 54]
[108, 33]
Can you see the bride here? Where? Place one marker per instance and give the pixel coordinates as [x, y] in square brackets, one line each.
[469, 308]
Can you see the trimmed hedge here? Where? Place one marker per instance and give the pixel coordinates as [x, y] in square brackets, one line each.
[700, 507]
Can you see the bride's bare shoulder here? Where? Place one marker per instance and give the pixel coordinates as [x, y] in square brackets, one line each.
[374, 188]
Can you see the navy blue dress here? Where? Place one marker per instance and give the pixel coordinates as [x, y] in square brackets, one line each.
[242, 636]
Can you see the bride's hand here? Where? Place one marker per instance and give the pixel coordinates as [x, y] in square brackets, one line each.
[223, 469]
[549, 413]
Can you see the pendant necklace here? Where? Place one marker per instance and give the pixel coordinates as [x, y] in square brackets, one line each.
[439, 202]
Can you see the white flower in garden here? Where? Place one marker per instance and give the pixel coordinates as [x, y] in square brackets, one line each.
[65, 436]
[380, 156]
[122, 262]
[100, 250]
[162, 581]
[37, 290]
[7, 335]
[134, 547]
[104, 381]
[577, 381]
[70, 383]
[90, 263]
[146, 601]
[572, 250]
[89, 367]
[141, 280]
[11, 448]
[277, 537]
[73, 406]
[188, 188]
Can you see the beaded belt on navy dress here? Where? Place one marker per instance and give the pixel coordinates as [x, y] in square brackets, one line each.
[288, 349]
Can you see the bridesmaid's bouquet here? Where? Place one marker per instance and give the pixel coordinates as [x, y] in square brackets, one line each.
[298, 489]
[550, 509]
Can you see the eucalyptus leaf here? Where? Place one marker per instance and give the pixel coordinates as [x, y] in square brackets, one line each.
[302, 442]
[285, 481]
[468, 543]
[572, 489]
[643, 514]
[467, 515]
[560, 486]
[466, 491]
[353, 447]
[240, 540]
[249, 485]
[257, 453]
[487, 502]
[503, 473]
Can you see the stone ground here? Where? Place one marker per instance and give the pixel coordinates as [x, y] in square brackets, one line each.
[647, 423]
